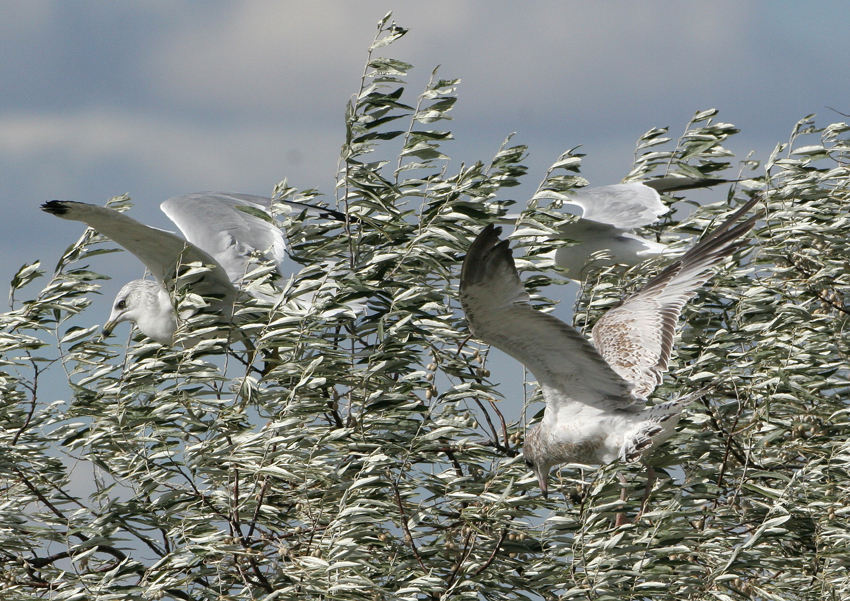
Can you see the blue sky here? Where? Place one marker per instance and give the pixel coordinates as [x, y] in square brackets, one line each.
[160, 98]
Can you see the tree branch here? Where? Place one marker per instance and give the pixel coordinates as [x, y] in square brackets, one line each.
[404, 526]
[494, 553]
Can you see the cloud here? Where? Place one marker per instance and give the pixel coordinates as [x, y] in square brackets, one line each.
[522, 60]
[574, 56]
[271, 55]
[23, 19]
[192, 156]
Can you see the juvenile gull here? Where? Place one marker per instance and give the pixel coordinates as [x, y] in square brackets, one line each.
[595, 396]
[224, 232]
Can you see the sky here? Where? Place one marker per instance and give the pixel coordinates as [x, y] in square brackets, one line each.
[159, 98]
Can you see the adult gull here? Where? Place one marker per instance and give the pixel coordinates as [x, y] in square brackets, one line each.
[225, 232]
[596, 410]
[609, 216]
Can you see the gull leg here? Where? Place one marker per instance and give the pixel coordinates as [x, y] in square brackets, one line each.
[271, 359]
[624, 495]
[650, 480]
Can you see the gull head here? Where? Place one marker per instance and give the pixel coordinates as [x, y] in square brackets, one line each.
[534, 459]
[148, 305]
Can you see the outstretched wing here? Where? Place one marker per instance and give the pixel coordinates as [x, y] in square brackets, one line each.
[679, 183]
[565, 364]
[162, 252]
[636, 337]
[230, 227]
[624, 206]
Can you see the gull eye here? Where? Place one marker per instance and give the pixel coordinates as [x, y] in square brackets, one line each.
[122, 304]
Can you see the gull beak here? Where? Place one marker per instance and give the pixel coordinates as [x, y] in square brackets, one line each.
[108, 327]
[543, 479]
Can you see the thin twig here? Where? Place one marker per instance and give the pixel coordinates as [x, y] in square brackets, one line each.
[489, 423]
[260, 576]
[504, 425]
[458, 467]
[254, 518]
[404, 526]
[34, 391]
[41, 497]
[464, 555]
[807, 273]
[733, 449]
[234, 510]
[40, 562]
[726, 452]
[493, 554]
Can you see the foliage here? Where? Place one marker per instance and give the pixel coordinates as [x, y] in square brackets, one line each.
[361, 449]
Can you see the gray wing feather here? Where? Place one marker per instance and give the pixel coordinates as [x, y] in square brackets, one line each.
[636, 337]
[624, 206]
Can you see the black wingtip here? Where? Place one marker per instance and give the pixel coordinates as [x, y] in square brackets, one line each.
[665, 185]
[491, 230]
[331, 214]
[481, 247]
[323, 212]
[55, 207]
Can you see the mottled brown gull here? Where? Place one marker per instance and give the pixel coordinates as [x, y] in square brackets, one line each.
[596, 410]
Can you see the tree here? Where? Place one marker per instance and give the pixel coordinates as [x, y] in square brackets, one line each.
[360, 450]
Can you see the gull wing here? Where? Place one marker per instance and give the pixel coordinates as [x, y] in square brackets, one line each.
[565, 364]
[636, 337]
[161, 251]
[621, 246]
[679, 183]
[230, 227]
[624, 206]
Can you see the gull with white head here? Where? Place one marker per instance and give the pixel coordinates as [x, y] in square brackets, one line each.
[609, 216]
[224, 232]
[595, 394]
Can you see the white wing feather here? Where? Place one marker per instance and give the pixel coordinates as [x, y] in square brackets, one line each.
[161, 252]
[624, 206]
[214, 222]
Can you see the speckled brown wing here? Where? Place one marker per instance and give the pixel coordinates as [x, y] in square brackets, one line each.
[636, 337]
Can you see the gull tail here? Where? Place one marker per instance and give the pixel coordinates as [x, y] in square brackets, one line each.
[659, 425]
